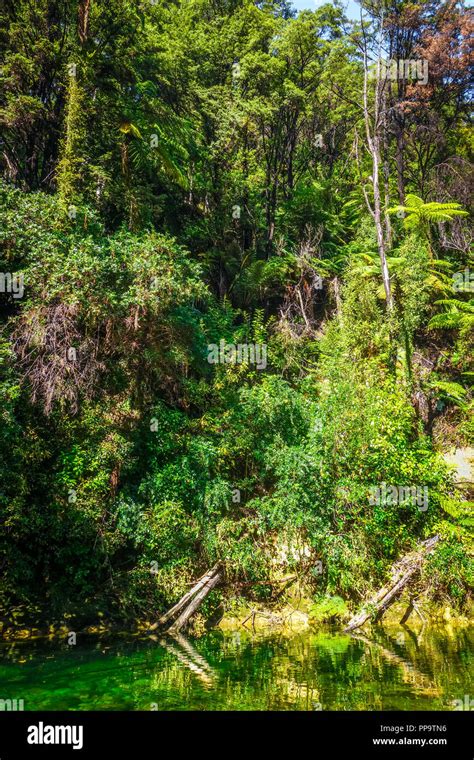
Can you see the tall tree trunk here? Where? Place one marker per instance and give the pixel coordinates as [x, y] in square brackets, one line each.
[373, 135]
[378, 221]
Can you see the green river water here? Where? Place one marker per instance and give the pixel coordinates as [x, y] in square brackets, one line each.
[396, 669]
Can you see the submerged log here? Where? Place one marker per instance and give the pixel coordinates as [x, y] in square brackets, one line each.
[402, 572]
[189, 603]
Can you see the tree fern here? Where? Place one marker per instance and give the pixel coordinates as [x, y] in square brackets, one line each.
[458, 315]
[418, 215]
[453, 392]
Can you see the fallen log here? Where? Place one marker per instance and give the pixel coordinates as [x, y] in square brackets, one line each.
[173, 611]
[189, 603]
[195, 602]
[402, 572]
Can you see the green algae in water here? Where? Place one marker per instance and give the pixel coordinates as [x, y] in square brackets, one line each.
[395, 670]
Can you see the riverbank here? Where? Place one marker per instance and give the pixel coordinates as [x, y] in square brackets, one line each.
[287, 617]
[291, 615]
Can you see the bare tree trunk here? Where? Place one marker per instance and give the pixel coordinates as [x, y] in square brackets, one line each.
[373, 135]
[378, 221]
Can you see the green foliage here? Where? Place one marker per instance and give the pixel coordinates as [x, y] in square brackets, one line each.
[177, 175]
[450, 572]
[418, 214]
[330, 609]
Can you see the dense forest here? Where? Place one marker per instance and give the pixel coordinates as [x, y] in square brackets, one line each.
[236, 303]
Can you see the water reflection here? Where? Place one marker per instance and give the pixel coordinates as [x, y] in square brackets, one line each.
[410, 674]
[381, 670]
[187, 655]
